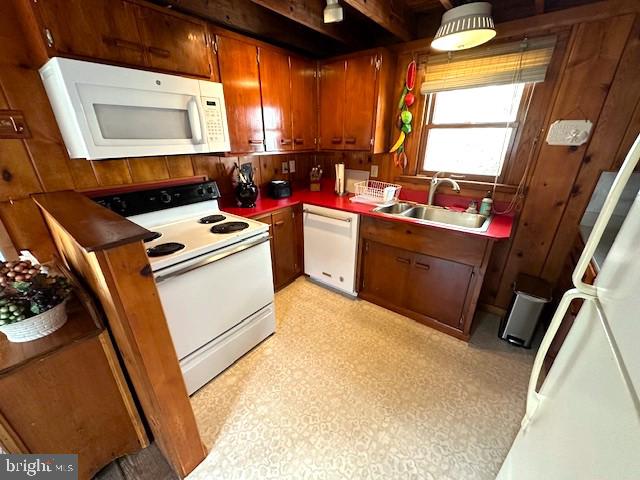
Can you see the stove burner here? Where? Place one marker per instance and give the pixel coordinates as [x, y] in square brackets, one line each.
[152, 237]
[212, 219]
[229, 227]
[164, 249]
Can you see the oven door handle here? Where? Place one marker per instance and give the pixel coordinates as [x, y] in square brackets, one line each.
[174, 271]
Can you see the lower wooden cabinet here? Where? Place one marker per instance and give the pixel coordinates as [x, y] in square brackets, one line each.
[433, 276]
[286, 244]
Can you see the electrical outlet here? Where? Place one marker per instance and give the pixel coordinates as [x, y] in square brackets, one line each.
[285, 167]
[374, 171]
[292, 166]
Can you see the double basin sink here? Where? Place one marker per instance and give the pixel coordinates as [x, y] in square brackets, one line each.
[431, 214]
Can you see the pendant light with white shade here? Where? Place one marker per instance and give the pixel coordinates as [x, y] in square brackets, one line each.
[465, 26]
[333, 12]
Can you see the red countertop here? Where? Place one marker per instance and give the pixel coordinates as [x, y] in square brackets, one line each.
[499, 228]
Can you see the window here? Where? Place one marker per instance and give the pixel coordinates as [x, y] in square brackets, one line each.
[470, 131]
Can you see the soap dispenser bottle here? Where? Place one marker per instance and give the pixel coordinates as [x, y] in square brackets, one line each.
[486, 205]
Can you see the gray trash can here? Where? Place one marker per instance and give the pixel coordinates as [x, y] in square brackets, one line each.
[530, 296]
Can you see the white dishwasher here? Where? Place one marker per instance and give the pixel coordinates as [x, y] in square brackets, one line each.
[330, 247]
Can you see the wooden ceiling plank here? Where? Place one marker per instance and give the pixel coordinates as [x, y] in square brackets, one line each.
[310, 14]
[397, 21]
[539, 5]
[250, 18]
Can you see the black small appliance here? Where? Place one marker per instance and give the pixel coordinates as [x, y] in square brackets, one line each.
[279, 189]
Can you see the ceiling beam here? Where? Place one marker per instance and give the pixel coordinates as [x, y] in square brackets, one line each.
[395, 20]
[249, 18]
[310, 14]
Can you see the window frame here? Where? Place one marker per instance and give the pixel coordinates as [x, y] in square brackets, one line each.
[517, 124]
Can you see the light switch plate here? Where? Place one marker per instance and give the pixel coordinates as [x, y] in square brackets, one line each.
[374, 171]
[285, 167]
[569, 132]
[292, 166]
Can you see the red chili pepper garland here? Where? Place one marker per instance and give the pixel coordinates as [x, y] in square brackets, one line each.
[407, 98]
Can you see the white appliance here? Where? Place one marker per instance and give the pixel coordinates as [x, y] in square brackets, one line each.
[330, 247]
[111, 112]
[585, 421]
[216, 289]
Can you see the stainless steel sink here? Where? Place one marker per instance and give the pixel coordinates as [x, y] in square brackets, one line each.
[449, 217]
[395, 209]
[437, 215]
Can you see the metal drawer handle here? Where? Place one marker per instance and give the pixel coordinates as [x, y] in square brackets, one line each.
[299, 141]
[120, 43]
[348, 220]
[160, 52]
[403, 260]
[336, 140]
[279, 223]
[255, 142]
[285, 141]
[350, 140]
[423, 266]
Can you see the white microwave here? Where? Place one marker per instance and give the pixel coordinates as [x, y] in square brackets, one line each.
[112, 112]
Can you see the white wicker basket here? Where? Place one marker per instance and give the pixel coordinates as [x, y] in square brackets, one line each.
[36, 327]
[373, 192]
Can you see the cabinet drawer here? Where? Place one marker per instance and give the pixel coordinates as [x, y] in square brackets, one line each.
[426, 240]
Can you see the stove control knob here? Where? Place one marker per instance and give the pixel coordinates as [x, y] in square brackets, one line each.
[165, 197]
[200, 192]
[118, 205]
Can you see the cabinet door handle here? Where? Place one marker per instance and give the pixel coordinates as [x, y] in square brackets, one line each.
[120, 43]
[159, 52]
[403, 260]
[279, 223]
[298, 141]
[255, 142]
[285, 141]
[336, 140]
[423, 266]
[350, 140]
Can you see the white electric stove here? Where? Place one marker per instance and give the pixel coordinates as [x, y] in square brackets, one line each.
[213, 272]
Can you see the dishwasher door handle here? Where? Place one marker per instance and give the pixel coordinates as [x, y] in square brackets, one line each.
[333, 217]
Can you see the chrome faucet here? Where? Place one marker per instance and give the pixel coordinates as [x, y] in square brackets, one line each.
[436, 182]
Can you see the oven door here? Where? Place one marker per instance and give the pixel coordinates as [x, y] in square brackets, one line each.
[206, 296]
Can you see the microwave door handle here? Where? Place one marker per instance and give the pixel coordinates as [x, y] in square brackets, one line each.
[194, 121]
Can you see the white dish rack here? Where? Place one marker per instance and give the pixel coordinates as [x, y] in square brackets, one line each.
[376, 193]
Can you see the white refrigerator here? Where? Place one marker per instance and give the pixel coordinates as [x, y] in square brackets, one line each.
[585, 421]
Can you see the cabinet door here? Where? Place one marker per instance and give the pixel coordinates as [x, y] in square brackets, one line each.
[238, 63]
[303, 103]
[360, 102]
[100, 29]
[385, 272]
[332, 84]
[275, 84]
[286, 248]
[438, 288]
[174, 43]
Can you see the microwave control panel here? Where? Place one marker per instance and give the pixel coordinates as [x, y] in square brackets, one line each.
[212, 108]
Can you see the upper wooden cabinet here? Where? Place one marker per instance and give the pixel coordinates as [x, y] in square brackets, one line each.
[238, 63]
[288, 87]
[275, 84]
[332, 91]
[175, 43]
[354, 93]
[125, 32]
[304, 103]
[102, 29]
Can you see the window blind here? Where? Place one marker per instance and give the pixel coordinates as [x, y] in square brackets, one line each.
[513, 62]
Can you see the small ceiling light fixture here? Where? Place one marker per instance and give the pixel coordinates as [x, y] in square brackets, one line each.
[462, 27]
[333, 12]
